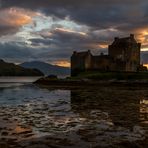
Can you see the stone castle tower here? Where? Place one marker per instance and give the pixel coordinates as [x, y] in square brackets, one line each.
[123, 55]
[127, 52]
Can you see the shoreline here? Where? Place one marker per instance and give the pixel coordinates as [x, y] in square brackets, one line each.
[68, 83]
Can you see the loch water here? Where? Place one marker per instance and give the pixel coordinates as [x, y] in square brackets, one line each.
[91, 117]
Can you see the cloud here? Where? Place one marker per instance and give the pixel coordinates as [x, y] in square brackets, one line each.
[94, 13]
[75, 40]
[75, 25]
[11, 19]
[60, 43]
[125, 16]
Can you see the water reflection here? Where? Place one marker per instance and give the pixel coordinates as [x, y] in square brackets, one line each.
[120, 106]
[18, 79]
[144, 111]
[84, 117]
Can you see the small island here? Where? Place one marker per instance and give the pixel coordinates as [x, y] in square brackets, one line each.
[122, 65]
[10, 69]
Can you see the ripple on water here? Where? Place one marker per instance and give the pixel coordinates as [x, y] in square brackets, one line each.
[41, 112]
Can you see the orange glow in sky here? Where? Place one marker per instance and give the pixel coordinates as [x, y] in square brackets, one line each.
[62, 63]
[70, 31]
[16, 16]
[146, 65]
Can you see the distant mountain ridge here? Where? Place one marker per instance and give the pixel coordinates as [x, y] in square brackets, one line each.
[10, 69]
[47, 69]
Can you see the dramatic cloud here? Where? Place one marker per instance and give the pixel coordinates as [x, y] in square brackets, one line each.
[51, 29]
[96, 13]
[11, 19]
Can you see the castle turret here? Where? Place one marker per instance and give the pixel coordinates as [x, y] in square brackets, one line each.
[80, 61]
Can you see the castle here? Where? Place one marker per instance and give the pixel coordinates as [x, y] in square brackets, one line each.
[123, 55]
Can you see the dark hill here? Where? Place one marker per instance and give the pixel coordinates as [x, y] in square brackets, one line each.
[10, 69]
[46, 68]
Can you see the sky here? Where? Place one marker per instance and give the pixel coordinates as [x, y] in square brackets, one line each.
[50, 30]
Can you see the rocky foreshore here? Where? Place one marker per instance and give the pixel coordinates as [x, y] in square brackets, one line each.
[88, 82]
[96, 117]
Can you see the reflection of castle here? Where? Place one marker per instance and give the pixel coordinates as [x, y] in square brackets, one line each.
[124, 55]
[122, 107]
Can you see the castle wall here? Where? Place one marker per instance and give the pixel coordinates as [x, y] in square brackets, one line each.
[101, 63]
[88, 62]
[133, 58]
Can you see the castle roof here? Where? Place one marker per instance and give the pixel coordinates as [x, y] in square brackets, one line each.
[101, 56]
[124, 41]
[82, 54]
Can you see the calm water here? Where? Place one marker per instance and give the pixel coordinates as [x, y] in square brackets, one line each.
[19, 90]
[98, 116]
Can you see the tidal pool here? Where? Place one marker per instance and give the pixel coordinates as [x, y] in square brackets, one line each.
[31, 116]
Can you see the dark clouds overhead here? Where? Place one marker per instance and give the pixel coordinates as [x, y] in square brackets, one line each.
[104, 19]
[94, 13]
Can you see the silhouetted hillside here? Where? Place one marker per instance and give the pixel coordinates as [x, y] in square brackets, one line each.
[10, 69]
[46, 68]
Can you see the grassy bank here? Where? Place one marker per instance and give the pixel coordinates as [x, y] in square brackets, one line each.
[87, 79]
[114, 75]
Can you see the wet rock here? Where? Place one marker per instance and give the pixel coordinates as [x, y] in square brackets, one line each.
[5, 119]
[127, 144]
[4, 133]
[37, 146]
[11, 142]
[65, 142]
[138, 130]
[3, 145]
[82, 132]
[28, 135]
[58, 142]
